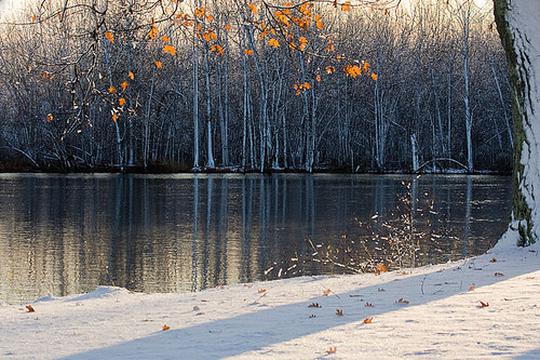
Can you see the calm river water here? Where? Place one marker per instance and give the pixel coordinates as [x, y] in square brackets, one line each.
[63, 235]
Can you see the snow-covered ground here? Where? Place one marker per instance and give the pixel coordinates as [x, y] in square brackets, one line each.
[439, 316]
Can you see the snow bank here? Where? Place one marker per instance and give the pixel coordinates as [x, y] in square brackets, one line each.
[438, 316]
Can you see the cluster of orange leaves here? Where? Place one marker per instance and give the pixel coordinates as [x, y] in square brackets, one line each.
[300, 88]
[357, 69]
[204, 32]
[288, 15]
[115, 113]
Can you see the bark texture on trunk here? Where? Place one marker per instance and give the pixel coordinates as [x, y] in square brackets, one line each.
[519, 27]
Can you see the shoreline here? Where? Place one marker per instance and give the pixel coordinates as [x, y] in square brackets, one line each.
[253, 172]
[433, 311]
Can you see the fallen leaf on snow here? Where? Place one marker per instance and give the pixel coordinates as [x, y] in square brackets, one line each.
[165, 328]
[30, 309]
[261, 291]
[331, 350]
[326, 292]
[381, 268]
[368, 320]
[483, 304]
[339, 312]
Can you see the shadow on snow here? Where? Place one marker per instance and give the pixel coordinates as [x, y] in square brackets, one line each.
[268, 326]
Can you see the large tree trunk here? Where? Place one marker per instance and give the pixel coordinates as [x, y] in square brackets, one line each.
[519, 27]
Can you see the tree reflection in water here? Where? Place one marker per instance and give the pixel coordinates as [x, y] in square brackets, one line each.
[68, 234]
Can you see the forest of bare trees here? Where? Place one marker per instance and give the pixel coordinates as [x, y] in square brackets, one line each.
[234, 85]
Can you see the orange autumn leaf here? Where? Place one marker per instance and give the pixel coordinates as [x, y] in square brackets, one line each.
[299, 89]
[124, 85]
[273, 43]
[218, 49]
[165, 328]
[248, 52]
[253, 8]
[353, 71]
[283, 17]
[109, 36]
[368, 320]
[165, 39]
[366, 66]
[305, 9]
[169, 49]
[112, 90]
[331, 350]
[30, 309]
[209, 36]
[158, 64]
[318, 22]
[327, 292]
[34, 18]
[121, 101]
[318, 77]
[199, 12]
[46, 75]
[114, 117]
[131, 75]
[381, 268]
[50, 118]
[346, 6]
[483, 304]
[303, 43]
[330, 70]
[264, 34]
[330, 48]
[227, 27]
[374, 76]
[153, 33]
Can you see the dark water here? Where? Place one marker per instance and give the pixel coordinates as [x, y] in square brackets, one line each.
[62, 235]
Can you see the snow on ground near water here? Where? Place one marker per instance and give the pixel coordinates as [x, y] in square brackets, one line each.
[442, 319]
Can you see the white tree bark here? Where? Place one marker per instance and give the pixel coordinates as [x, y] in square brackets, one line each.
[195, 107]
[518, 24]
[414, 153]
